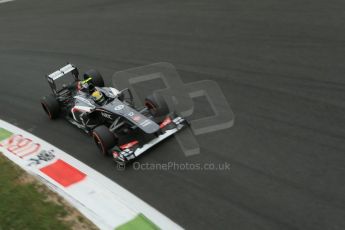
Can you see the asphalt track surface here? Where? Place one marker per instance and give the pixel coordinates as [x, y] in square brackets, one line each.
[280, 65]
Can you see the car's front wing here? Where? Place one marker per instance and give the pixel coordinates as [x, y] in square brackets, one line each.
[130, 151]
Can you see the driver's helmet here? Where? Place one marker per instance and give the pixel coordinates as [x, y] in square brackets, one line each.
[97, 96]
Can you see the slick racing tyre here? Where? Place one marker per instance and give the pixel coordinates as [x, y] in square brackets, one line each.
[104, 139]
[96, 76]
[51, 106]
[157, 105]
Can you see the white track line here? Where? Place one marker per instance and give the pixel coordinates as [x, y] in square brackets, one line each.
[4, 1]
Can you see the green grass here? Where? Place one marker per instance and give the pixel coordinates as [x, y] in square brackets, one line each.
[139, 222]
[4, 134]
[24, 205]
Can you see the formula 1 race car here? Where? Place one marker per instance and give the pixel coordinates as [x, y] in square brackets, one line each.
[117, 126]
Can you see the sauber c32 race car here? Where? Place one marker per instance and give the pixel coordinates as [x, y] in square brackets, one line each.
[118, 127]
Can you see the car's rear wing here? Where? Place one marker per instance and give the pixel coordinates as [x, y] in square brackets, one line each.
[53, 77]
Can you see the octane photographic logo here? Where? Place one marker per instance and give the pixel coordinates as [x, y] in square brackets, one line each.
[179, 97]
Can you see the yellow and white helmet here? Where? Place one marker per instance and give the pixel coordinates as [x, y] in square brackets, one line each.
[97, 96]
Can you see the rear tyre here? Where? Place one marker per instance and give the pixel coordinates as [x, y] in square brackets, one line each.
[96, 76]
[51, 106]
[157, 105]
[104, 139]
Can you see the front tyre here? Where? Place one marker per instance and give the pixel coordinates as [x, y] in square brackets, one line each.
[104, 139]
[51, 106]
[157, 105]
